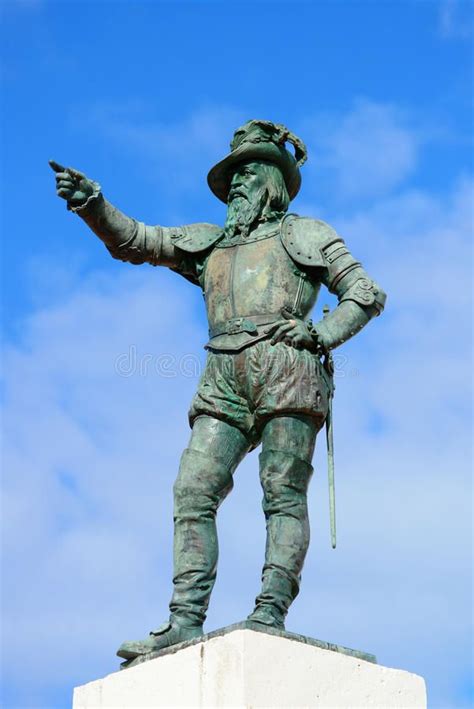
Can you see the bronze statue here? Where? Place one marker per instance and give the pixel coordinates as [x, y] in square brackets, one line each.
[268, 375]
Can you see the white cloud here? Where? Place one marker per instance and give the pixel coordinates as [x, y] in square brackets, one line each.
[365, 152]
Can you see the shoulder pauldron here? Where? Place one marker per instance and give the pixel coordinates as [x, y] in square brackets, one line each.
[195, 238]
[308, 241]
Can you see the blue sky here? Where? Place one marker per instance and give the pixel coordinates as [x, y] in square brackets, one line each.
[102, 358]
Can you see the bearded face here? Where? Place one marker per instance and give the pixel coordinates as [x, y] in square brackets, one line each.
[251, 197]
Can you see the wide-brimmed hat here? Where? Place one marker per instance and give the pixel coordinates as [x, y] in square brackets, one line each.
[260, 140]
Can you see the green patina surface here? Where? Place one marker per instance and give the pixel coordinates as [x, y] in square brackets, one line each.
[268, 378]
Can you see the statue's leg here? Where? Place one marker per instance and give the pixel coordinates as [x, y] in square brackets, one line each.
[285, 471]
[204, 480]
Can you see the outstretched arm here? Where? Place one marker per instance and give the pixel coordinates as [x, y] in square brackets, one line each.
[125, 238]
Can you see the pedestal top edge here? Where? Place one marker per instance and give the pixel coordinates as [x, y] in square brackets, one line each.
[258, 628]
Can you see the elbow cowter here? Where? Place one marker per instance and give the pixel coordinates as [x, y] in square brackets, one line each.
[366, 293]
[348, 280]
[363, 301]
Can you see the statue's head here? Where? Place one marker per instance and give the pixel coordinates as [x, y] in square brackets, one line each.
[260, 176]
[260, 141]
[257, 193]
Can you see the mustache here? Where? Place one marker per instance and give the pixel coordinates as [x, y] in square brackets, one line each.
[237, 192]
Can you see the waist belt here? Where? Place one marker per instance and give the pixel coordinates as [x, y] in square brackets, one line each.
[247, 324]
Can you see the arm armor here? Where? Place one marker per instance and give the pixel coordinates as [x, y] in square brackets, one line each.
[314, 244]
[125, 238]
[360, 298]
[129, 240]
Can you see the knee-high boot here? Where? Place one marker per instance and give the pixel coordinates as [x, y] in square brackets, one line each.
[284, 479]
[202, 484]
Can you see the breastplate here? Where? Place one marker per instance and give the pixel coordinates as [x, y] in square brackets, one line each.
[253, 278]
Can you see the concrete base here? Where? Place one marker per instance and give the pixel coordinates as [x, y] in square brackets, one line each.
[247, 666]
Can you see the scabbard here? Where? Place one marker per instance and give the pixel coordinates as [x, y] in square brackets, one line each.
[331, 485]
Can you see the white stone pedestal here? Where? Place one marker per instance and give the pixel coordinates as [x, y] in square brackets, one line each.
[245, 666]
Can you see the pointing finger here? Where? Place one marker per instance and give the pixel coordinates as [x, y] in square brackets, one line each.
[56, 166]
